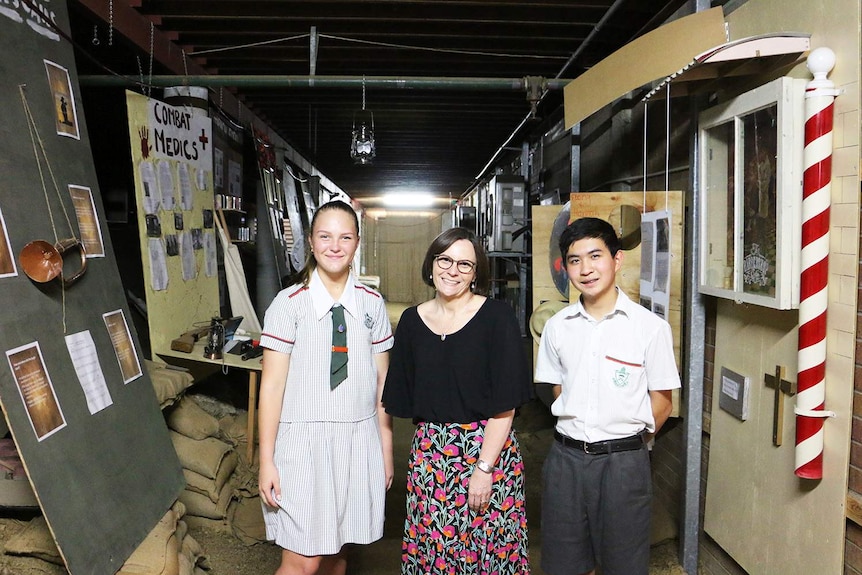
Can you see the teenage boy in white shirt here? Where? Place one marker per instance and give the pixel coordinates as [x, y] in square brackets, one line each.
[612, 366]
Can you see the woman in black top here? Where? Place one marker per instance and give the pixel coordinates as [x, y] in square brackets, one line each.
[459, 369]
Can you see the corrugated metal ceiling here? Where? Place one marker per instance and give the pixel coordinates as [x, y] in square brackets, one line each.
[435, 140]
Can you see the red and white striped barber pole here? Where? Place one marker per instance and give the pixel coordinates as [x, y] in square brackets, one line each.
[814, 262]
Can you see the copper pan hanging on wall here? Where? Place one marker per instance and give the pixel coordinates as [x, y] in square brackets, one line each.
[43, 262]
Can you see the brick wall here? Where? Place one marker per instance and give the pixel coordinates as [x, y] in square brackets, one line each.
[668, 467]
[853, 539]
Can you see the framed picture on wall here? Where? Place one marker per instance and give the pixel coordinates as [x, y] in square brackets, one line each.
[751, 195]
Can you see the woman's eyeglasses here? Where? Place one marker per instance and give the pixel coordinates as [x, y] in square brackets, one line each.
[463, 266]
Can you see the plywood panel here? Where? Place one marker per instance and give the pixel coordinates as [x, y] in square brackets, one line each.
[760, 513]
[652, 56]
[544, 288]
[184, 302]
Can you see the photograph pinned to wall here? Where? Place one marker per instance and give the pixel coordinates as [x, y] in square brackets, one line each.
[197, 238]
[64, 101]
[655, 262]
[7, 258]
[36, 390]
[154, 226]
[186, 192]
[82, 350]
[201, 180]
[152, 200]
[172, 245]
[158, 264]
[88, 222]
[208, 219]
[210, 255]
[166, 184]
[187, 251]
[124, 347]
[218, 168]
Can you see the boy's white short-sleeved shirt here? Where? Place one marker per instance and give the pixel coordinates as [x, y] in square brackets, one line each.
[606, 368]
[299, 323]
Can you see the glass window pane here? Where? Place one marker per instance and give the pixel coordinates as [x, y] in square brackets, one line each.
[759, 142]
[719, 160]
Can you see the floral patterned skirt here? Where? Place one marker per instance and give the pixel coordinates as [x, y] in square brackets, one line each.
[442, 536]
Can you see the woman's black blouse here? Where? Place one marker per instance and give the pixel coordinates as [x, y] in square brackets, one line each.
[477, 372]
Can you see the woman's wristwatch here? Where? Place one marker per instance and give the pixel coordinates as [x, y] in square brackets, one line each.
[484, 466]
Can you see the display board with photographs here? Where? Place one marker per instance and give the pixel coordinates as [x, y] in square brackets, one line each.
[80, 408]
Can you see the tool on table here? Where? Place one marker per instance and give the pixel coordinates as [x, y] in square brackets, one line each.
[186, 342]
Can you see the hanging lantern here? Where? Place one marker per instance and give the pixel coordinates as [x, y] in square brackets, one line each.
[362, 139]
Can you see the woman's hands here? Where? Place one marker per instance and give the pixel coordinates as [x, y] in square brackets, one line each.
[496, 432]
[479, 490]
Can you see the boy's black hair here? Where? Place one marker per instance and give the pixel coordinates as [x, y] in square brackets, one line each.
[589, 228]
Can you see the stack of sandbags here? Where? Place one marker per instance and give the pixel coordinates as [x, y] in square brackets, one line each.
[234, 429]
[244, 513]
[232, 422]
[169, 382]
[167, 550]
[208, 463]
[221, 493]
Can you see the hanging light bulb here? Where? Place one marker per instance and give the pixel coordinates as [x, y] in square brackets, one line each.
[362, 140]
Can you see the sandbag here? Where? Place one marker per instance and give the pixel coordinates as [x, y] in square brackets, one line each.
[168, 383]
[216, 525]
[35, 541]
[204, 456]
[235, 428]
[193, 550]
[208, 486]
[188, 418]
[247, 521]
[182, 530]
[215, 407]
[201, 505]
[158, 554]
[186, 565]
[244, 481]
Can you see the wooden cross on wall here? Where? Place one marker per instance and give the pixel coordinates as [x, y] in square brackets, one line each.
[782, 387]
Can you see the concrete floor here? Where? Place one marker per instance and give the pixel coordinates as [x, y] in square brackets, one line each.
[535, 433]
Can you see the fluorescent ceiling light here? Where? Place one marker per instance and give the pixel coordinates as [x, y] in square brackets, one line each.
[382, 213]
[408, 200]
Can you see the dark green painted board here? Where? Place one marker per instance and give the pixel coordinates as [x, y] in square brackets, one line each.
[103, 480]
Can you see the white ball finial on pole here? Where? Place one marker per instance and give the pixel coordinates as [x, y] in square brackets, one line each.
[820, 62]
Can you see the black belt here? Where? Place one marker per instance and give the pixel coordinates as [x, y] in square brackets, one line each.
[603, 447]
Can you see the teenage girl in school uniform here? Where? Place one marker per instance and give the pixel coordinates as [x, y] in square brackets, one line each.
[325, 441]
